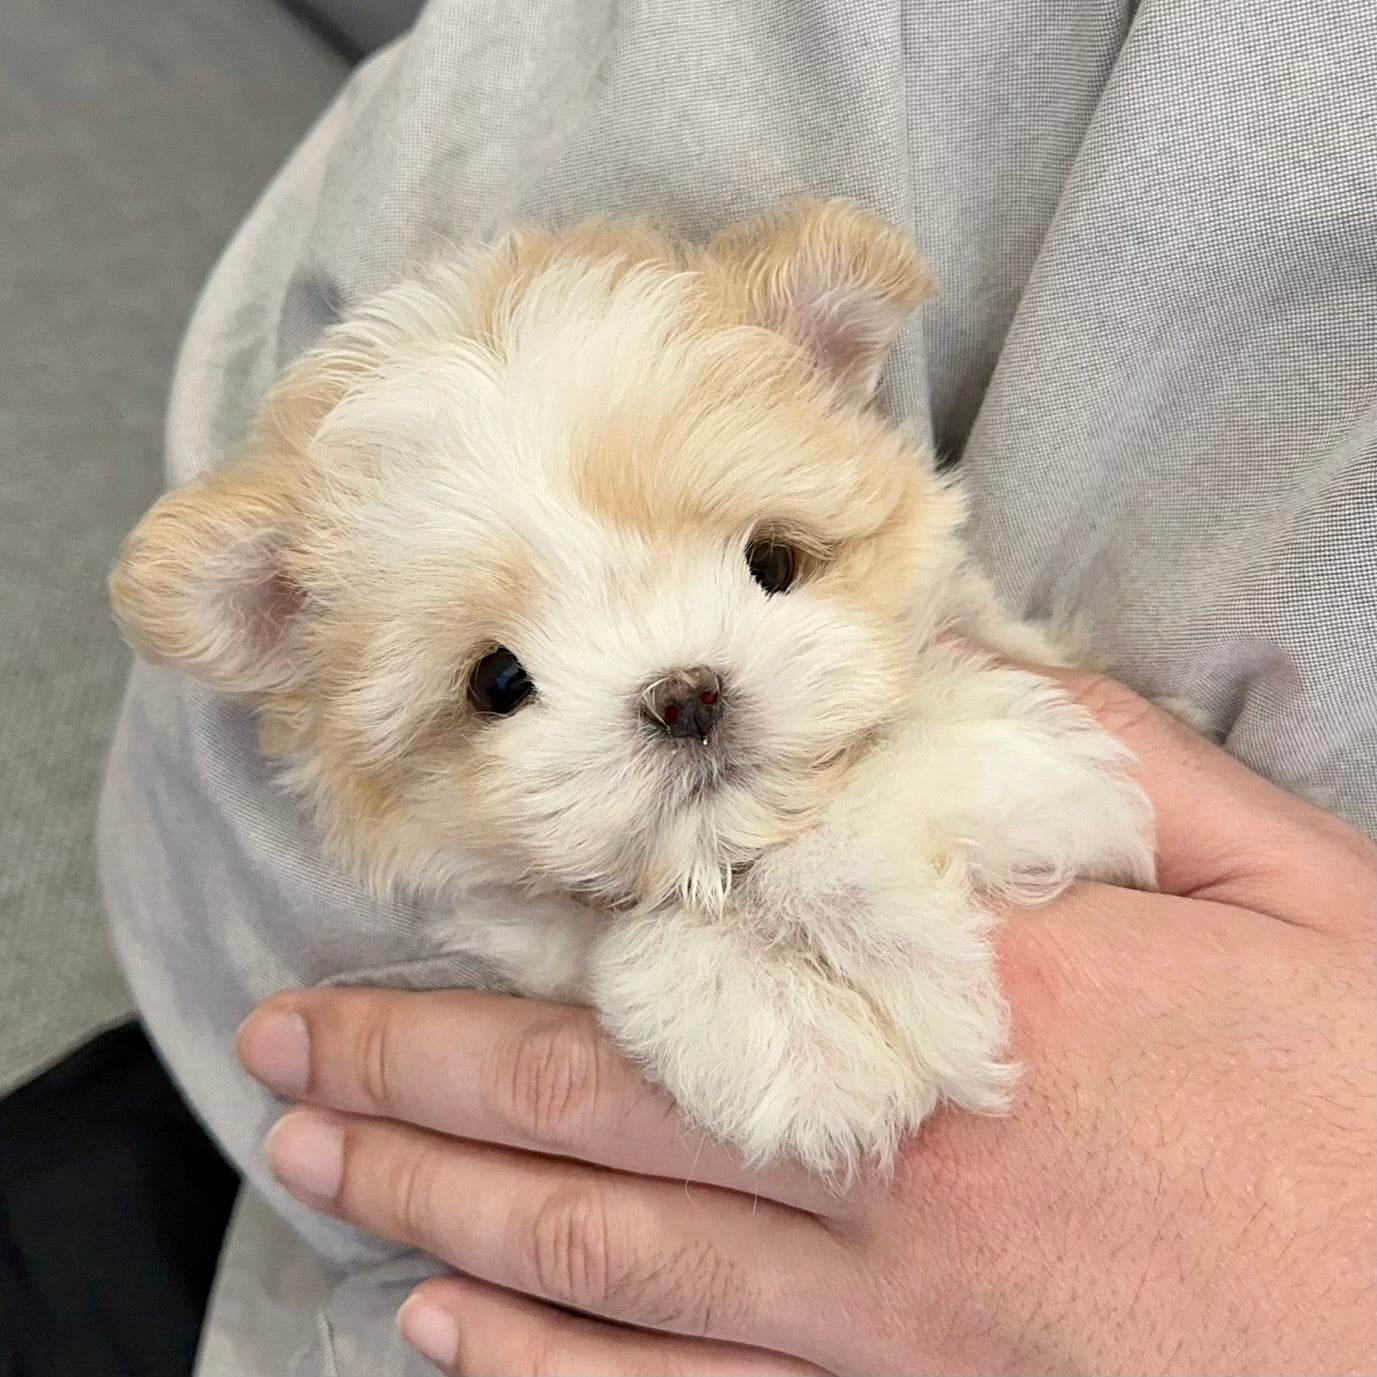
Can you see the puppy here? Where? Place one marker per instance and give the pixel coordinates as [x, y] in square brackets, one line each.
[580, 567]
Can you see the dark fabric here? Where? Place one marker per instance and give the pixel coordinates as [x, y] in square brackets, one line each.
[113, 1203]
[354, 28]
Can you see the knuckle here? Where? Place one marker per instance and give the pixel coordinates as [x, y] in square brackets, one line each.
[374, 1062]
[482, 1353]
[471, 1358]
[577, 1260]
[569, 1247]
[552, 1082]
[690, 1288]
[413, 1201]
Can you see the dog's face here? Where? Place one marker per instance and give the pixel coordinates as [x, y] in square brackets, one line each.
[580, 563]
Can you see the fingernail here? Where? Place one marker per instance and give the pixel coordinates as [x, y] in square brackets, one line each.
[274, 1047]
[305, 1153]
[429, 1329]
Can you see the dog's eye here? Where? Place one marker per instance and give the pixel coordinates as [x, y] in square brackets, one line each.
[499, 684]
[773, 565]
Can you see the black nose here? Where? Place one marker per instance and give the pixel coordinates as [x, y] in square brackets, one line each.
[685, 703]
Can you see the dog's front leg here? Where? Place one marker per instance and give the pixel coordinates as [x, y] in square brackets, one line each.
[816, 1018]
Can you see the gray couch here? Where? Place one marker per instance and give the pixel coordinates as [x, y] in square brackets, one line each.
[134, 134]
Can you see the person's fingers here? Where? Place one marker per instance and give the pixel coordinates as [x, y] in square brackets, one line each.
[470, 1329]
[702, 1262]
[521, 1073]
[1224, 832]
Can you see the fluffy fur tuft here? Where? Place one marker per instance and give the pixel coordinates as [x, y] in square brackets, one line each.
[574, 448]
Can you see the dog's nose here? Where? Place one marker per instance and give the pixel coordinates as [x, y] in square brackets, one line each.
[685, 703]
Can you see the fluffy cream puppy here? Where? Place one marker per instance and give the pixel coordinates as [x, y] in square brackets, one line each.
[582, 591]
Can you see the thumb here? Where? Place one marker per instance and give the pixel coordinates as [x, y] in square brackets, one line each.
[1223, 832]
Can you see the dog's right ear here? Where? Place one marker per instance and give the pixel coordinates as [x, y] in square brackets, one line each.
[202, 582]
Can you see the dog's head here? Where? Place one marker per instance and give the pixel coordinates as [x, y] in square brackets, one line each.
[580, 562]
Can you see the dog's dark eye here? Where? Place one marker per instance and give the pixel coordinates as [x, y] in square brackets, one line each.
[499, 684]
[773, 565]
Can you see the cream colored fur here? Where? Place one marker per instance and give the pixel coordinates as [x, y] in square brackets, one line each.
[562, 444]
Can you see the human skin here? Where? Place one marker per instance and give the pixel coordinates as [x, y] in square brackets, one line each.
[1184, 1185]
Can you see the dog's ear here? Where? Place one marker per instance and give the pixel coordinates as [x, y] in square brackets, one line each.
[205, 582]
[831, 276]
[202, 582]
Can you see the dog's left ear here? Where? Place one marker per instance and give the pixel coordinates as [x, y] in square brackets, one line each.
[831, 276]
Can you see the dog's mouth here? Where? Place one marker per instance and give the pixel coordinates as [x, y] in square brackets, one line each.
[696, 774]
[706, 771]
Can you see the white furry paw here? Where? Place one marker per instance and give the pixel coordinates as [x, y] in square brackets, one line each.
[764, 1051]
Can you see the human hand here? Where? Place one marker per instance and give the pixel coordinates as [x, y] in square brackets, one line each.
[1184, 1185]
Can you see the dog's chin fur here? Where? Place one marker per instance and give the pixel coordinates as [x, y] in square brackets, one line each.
[562, 444]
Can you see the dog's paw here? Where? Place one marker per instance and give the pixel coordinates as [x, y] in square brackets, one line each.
[759, 1054]
[847, 1094]
[766, 1050]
